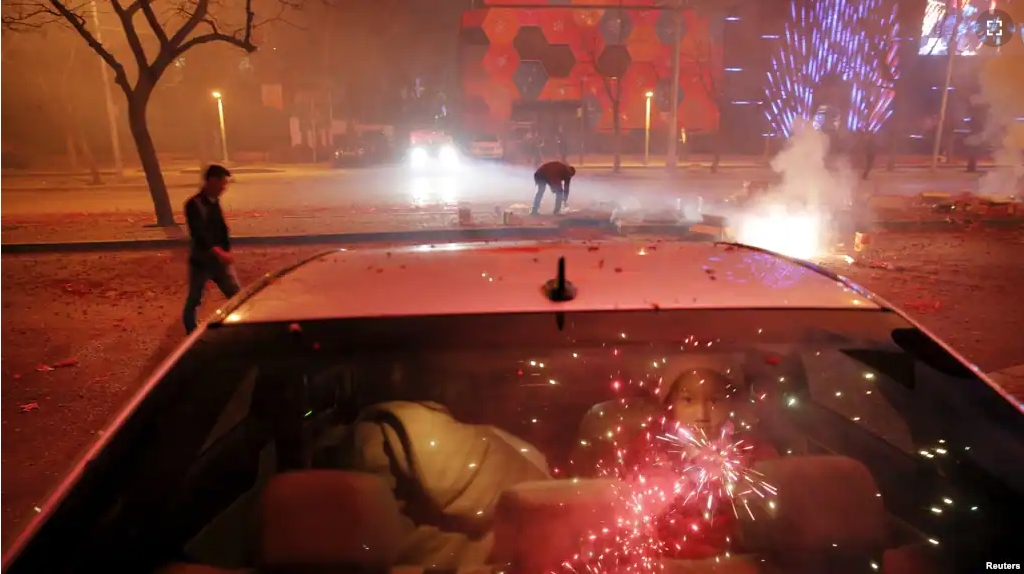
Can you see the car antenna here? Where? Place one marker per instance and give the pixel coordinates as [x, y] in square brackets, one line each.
[560, 289]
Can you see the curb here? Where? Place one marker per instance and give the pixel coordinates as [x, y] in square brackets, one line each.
[940, 225]
[420, 236]
[101, 187]
[678, 230]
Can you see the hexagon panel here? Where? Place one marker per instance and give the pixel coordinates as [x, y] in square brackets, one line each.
[645, 17]
[613, 62]
[501, 25]
[588, 45]
[530, 16]
[530, 43]
[501, 61]
[587, 18]
[557, 89]
[473, 36]
[558, 26]
[639, 79]
[615, 26]
[558, 61]
[530, 53]
[666, 27]
[643, 44]
[471, 60]
[663, 95]
[593, 109]
[529, 78]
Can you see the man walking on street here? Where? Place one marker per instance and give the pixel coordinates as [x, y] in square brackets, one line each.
[556, 175]
[210, 256]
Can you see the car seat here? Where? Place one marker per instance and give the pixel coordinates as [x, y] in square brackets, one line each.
[540, 525]
[447, 476]
[328, 520]
[318, 521]
[827, 516]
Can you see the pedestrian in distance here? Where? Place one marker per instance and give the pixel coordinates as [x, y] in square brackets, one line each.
[210, 257]
[556, 175]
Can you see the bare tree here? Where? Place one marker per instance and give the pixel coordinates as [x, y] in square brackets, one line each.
[174, 28]
[705, 61]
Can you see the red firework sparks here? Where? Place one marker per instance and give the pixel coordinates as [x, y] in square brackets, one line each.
[679, 470]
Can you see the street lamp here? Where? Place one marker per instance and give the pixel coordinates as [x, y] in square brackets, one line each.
[647, 129]
[223, 135]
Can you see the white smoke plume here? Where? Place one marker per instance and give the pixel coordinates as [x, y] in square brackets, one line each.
[1001, 80]
[798, 216]
[809, 177]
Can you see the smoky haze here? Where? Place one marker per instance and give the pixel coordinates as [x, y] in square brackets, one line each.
[365, 53]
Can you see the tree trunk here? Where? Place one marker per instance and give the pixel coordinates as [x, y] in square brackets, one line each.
[716, 150]
[69, 142]
[869, 154]
[617, 137]
[137, 104]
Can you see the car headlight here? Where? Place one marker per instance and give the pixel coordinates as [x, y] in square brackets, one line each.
[448, 155]
[418, 156]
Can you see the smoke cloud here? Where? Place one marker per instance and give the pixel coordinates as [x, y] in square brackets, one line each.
[1001, 81]
[798, 217]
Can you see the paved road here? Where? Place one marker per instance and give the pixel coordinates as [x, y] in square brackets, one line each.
[484, 185]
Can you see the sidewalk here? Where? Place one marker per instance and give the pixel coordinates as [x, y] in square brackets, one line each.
[134, 179]
[703, 161]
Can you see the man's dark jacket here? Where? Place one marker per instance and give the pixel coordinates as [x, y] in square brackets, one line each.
[207, 228]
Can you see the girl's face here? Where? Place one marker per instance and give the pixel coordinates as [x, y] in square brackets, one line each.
[703, 399]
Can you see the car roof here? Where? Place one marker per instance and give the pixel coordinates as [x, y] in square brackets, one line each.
[508, 277]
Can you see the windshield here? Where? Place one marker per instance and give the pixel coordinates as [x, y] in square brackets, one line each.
[583, 442]
[486, 138]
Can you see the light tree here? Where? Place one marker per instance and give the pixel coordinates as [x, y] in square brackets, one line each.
[838, 41]
[157, 33]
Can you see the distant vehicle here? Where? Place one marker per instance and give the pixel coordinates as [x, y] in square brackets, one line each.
[399, 408]
[487, 146]
[367, 148]
[433, 149]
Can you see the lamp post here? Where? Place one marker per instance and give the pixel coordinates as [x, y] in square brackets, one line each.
[115, 140]
[223, 134]
[647, 128]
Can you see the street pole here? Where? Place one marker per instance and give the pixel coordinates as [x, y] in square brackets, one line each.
[647, 129]
[115, 140]
[223, 132]
[951, 55]
[671, 161]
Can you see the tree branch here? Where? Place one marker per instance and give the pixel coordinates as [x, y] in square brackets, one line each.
[151, 19]
[132, 36]
[78, 23]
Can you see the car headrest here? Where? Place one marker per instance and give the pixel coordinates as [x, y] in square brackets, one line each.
[826, 505]
[316, 519]
[541, 524]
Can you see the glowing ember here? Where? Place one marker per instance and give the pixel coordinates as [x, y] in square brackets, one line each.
[793, 235]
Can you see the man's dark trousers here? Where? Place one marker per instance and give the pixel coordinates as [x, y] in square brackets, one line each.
[223, 276]
[542, 185]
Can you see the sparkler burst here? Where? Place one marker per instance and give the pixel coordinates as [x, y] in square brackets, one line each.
[851, 42]
[678, 487]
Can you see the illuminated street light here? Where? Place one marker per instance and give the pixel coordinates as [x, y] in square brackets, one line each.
[223, 134]
[647, 129]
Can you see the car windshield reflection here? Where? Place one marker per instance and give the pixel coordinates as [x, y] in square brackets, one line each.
[579, 442]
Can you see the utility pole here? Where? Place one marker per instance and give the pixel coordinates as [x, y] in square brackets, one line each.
[951, 55]
[671, 159]
[115, 140]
